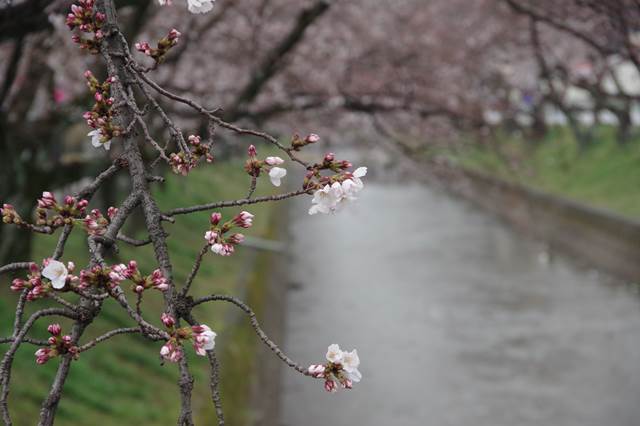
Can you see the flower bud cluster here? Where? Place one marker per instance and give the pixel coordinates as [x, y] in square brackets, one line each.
[340, 370]
[101, 116]
[164, 45]
[39, 282]
[253, 166]
[215, 236]
[54, 214]
[110, 277]
[10, 215]
[156, 280]
[96, 224]
[297, 142]
[82, 19]
[58, 345]
[182, 163]
[201, 337]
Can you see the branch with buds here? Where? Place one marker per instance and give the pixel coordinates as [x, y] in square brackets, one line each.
[118, 117]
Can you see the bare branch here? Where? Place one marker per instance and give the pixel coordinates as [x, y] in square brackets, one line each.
[236, 203]
[256, 326]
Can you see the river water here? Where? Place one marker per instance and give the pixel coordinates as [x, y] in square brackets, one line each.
[457, 320]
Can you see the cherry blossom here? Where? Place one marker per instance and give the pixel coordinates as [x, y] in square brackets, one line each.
[96, 140]
[334, 354]
[171, 351]
[342, 369]
[331, 197]
[203, 339]
[57, 273]
[276, 174]
[326, 199]
[200, 6]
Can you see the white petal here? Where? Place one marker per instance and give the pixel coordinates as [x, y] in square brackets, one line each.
[276, 174]
[360, 172]
[59, 283]
[355, 375]
[334, 354]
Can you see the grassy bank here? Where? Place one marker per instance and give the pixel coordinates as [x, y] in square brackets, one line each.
[123, 381]
[605, 175]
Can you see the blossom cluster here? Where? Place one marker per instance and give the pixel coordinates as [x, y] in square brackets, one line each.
[156, 280]
[201, 337]
[96, 224]
[57, 277]
[333, 191]
[82, 18]
[100, 118]
[182, 163]
[54, 214]
[164, 45]
[109, 277]
[215, 236]
[340, 370]
[58, 345]
[253, 166]
[194, 6]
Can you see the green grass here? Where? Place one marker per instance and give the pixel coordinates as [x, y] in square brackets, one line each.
[605, 175]
[122, 382]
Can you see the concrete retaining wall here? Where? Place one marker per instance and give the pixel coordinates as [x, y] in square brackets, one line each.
[601, 238]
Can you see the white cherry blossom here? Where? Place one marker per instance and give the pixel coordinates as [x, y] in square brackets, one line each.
[350, 363]
[334, 354]
[200, 6]
[57, 273]
[276, 174]
[95, 136]
[326, 200]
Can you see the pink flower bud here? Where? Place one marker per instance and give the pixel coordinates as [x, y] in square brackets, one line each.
[167, 320]
[236, 239]
[312, 138]
[243, 219]
[69, 200]
[215, 218]
[317, 370]
[98, 97]
[111, 212]
[54, 329]
[211, 236]
[252, 151]
[66, 339]
[82, 204]
[330, 386]
[329, 157]
[52, 340]
[273, 161]
[174, 34]
[347, 384]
